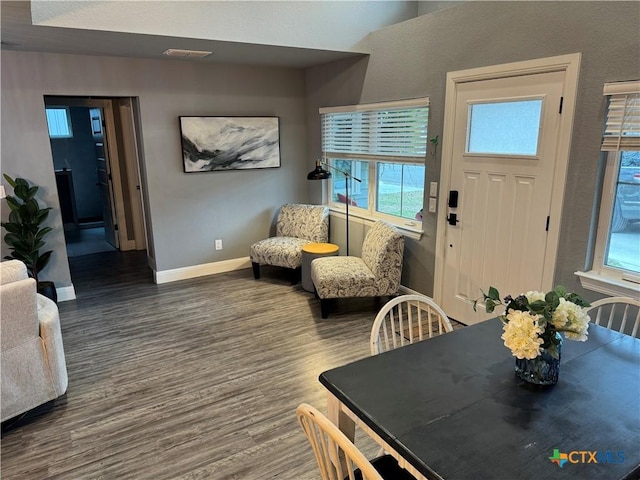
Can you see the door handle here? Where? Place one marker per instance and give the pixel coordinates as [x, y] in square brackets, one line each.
[452, 219]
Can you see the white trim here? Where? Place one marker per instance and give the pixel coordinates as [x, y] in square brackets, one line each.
[565, 134]
[621, 88]
[527, 67]
[413, 102]
[66, 293]
[570, 64]
[607, 199]
[183, 273]
[613, 287]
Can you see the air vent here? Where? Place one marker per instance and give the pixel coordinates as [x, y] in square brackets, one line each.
[175, 52]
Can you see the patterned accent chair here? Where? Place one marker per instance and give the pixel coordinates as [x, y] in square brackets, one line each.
[33, 365]
[375, 274]
[297, 225]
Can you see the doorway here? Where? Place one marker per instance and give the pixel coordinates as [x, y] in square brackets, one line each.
[507, 135]
[95, 157]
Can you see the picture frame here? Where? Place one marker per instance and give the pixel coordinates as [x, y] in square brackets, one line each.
[212, 144]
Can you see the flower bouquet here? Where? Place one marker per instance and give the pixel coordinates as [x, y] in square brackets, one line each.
[531, 325]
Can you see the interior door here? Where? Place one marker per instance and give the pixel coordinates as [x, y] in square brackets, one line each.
[504, 147]
[104, 182]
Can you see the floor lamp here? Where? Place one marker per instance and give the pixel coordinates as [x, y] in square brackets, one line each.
[321, 174]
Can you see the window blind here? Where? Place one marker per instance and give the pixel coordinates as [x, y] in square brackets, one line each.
[392, 131]
[622, 126]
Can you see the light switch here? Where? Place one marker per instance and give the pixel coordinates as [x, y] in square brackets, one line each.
[433, 190]
[432, 205]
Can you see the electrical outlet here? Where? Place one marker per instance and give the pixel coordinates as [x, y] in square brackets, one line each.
[218, 244]
[433, 189]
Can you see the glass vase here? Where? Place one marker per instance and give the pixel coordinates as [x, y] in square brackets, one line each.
[542, 370]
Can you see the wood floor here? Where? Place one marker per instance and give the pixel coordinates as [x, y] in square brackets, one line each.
[197, 379]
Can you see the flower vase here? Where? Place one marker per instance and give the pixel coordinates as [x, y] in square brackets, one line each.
[542, 370]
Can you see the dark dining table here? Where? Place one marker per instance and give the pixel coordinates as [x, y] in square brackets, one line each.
[452, 408]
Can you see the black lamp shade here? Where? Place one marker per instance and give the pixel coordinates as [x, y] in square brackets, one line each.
[319, 174]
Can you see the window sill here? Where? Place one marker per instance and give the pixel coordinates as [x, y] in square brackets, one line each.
[597, 282]
[410, 228]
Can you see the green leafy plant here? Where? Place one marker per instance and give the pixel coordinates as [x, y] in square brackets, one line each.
[531, 320]
[25, 230]
[435, 141]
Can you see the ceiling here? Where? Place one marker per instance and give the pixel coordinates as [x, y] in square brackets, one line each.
[18, 33]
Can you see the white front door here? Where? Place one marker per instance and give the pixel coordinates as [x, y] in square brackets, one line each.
[503, 169]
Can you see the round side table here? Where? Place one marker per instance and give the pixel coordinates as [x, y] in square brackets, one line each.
[310, 252]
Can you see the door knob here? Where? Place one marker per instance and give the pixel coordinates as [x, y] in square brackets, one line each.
[452, 218]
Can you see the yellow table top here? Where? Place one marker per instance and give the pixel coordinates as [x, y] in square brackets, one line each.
[320, 248]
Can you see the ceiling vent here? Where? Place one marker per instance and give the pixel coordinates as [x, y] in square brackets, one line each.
[176, 52]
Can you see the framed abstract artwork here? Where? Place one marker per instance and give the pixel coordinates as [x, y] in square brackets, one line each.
[229, 143]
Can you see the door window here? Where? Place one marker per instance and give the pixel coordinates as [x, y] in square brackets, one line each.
[504, 128]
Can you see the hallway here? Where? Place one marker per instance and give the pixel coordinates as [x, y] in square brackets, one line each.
[86, 241]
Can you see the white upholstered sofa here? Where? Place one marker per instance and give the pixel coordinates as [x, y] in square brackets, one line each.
[33, 366]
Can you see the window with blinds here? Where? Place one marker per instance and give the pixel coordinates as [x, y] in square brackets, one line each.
[622, 126]
[390, 132]
[618, 229]
[384, 145]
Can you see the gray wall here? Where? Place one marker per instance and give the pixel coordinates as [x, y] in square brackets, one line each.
[412, 59]
[188, 211]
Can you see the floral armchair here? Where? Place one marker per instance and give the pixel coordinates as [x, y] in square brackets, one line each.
[296, 226]
[377, 273]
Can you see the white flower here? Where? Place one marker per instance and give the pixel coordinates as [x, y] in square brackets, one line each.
[571, 319]
[534, 296]
[521, 334]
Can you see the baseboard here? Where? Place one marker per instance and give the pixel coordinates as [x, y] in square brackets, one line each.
[66, 293]
[184, 273]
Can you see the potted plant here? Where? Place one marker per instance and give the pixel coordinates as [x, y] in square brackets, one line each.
[532, 323]
[25, 232]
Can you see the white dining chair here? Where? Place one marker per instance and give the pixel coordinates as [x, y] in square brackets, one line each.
[407, 319]
[616, 312]
[330, 446]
